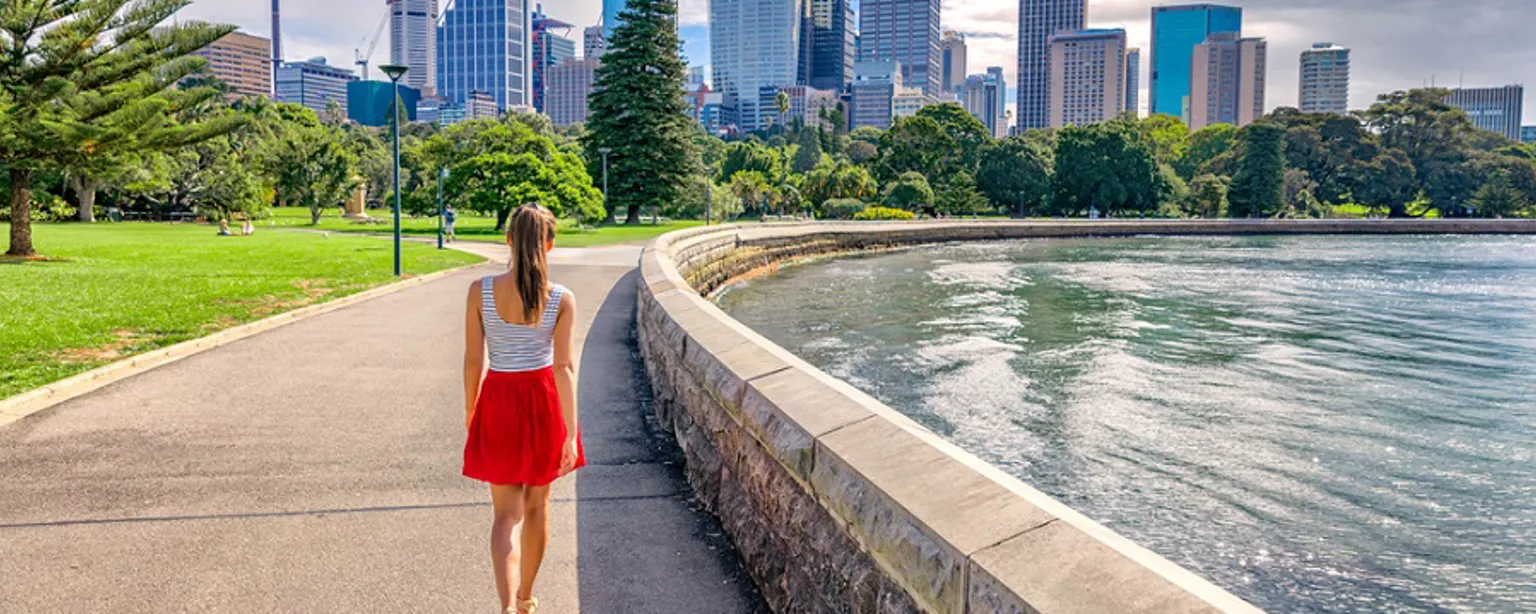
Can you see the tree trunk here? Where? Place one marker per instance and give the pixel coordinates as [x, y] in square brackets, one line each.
[633, 216]
[501, 219]
[314, 215]
[21, 212]
[85, 192]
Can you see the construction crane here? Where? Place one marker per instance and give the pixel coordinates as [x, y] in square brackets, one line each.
[362, 58]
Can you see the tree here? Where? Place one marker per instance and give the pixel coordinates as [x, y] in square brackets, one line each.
[1258, 188]
[957, 194]
[1106, 166]
[1386, 182]
[498, 182]
[781, 103]
[1208, 196]
[749, 156]
[809, 153]
[1167, 135]
[312, 167]
[967, 135]
[1499, 197]
[909, 191]
[75, 74]
[840, 180]
[751, 188]
[1436, 138]
[636, 112]
[913, 145]
[1300, 190]
[1016, 172]
[1203, 146]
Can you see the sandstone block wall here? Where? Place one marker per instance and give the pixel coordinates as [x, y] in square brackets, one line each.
[838, 503]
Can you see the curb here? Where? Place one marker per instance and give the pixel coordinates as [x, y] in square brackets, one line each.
[38, 399]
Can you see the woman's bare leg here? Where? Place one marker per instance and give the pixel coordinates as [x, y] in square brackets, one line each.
[535, 535]
[508, 504]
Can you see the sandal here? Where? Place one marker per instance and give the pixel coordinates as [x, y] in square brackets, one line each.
[527, 606]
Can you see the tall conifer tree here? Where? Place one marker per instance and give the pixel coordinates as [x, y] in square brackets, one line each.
[637, 111]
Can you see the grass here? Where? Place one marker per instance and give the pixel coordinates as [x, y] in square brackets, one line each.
[469, 227]
[107, 291]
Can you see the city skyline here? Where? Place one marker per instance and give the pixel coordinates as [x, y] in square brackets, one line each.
[1474, 43]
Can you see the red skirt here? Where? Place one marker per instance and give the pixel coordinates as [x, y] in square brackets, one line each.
[517, 431]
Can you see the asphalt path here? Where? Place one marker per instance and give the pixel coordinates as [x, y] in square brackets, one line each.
[315, 468]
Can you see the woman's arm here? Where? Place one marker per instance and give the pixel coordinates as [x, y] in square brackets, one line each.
[474, 351]
[565, 377]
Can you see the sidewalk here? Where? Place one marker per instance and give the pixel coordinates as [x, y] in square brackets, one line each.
[315, 468]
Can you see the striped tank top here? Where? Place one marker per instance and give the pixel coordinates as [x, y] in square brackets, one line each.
[515, 347]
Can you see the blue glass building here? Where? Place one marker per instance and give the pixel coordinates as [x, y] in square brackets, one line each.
[1175, 32]
[483, 46]
[611, 10]
[368, 102]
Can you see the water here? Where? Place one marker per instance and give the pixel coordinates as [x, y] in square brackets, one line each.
[1319, 424]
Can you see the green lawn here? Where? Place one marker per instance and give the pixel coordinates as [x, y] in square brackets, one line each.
[469, 227]
[108, 291]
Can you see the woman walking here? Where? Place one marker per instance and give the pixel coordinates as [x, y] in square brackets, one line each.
[521, 415]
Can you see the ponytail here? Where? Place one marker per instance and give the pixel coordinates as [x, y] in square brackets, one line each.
[532, 227]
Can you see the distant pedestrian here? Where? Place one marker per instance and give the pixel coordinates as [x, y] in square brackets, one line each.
[247, 228]
[224, 227]
[448, 219]
[521, 415]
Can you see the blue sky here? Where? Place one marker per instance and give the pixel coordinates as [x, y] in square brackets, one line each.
[1397, 44]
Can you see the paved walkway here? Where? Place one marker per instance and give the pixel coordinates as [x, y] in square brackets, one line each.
[315, 468]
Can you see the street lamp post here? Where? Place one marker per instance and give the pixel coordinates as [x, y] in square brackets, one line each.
[441, 209]
[395, 71]
[606, 203]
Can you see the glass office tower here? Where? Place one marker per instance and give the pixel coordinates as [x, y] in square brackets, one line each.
[482, 46]
[1175, 32]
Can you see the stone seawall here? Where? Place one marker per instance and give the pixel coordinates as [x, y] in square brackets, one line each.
[838, 503]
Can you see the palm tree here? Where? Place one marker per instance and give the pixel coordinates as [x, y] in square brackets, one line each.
[781, 102]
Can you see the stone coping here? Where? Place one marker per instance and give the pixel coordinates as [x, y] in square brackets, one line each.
[954, 533]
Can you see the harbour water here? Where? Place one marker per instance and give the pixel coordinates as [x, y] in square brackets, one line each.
[1318, 424]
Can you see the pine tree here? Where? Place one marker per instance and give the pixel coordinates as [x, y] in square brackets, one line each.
[86, 78]
[637, 112]
[1258, 187]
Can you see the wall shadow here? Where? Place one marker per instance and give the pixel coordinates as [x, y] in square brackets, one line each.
[643, 543]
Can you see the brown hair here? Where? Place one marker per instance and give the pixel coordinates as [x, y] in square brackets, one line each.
[531, 228]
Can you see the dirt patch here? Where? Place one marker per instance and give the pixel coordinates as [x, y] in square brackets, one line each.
[122, 346]
[312, 291]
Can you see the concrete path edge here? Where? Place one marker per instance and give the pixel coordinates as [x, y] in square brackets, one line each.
[38, 399]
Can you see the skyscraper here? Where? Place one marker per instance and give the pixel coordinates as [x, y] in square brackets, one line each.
[568, 85]
[1087, 77]
[985, 97]
[755, 44]
[1325, 79]
[549, 50]
[482, 46]
[611, 11]
[1175, 32]
[593, 43]
[905, 31]
[1038, 20]
[873, 93]
[312, 83]
[953, 63]
[1133, 80]
[413, 41]
[1227, 81]
[833, 29]
[241, 61]
[1495, 109]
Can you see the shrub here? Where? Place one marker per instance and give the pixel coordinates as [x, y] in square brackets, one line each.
[883, 213]
[842, 208]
